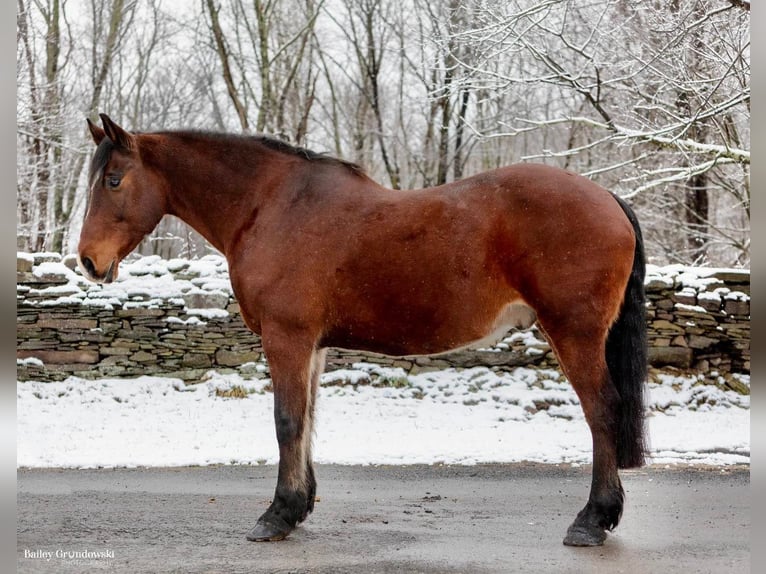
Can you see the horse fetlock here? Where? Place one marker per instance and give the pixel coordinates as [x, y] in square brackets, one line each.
[311, 489]
[607, 508]
[612, 516]
[290, 505]
[600, 514]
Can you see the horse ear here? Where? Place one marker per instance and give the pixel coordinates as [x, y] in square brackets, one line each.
[95, 131]
[119, 136]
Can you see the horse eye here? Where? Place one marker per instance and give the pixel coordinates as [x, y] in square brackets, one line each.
[113, 181]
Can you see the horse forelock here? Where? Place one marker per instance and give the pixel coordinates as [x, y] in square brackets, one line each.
[97, 165]
[99, 161]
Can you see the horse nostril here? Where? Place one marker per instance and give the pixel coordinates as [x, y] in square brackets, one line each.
[88, 266]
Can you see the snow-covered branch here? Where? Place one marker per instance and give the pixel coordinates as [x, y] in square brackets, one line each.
[621, 134]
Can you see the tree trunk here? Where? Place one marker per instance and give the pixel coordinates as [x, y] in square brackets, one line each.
[457, 167]
[697, 215]
[223, 54]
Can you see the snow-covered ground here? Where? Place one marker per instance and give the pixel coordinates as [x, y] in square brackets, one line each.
[365, 415]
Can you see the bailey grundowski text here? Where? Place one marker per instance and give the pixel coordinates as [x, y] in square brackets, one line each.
[68, 554]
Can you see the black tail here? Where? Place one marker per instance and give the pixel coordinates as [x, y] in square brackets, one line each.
[627, 358]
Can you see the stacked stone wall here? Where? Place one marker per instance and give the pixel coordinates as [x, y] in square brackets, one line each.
[179, 318]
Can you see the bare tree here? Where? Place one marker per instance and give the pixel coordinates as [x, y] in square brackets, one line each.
[226, 68]
[365, 29]
[267, 63]
[652, 100]
[41, 130]
[658, 94]
[55, 156]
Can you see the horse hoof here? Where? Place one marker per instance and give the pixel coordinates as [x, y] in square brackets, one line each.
[269, 530]
[582, 536]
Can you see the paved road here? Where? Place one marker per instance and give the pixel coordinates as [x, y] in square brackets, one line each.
[429, 519]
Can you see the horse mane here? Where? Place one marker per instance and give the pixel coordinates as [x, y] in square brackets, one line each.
[274, 144]
[321, 157]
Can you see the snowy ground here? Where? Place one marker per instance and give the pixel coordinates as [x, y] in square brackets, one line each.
[366, 415]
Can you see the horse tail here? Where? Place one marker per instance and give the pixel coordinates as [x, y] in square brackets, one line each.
[627, 358]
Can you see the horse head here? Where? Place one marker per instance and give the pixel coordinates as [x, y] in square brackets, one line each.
[126, 201]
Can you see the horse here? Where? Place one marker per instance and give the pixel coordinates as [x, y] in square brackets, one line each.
[321, 256]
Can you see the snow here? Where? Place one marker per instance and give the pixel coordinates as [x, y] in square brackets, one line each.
[190, 321]
[691, 279]
[713, 295]
[692, 308]
[142, 281]
[737, 296]
[209, 313]
[54, 268]
[365, 415]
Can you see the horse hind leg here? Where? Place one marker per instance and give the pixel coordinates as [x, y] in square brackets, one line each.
[291, 362]
[582, 358]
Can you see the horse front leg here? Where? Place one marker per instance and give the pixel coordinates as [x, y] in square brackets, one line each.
[295, 367]
[317, 368]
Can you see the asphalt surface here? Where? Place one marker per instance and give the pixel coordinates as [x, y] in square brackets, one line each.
[429, 519]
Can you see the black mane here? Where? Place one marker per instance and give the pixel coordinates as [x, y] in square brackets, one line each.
[274, 144]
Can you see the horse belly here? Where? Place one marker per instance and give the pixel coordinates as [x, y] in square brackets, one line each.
[400, 331]
[516, 315]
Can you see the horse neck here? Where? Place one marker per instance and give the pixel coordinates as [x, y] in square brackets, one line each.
[215, 189]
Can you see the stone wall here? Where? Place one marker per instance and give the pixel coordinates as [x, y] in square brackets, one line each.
[178, 318]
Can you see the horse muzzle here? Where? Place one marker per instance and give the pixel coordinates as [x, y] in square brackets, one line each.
[89, 270]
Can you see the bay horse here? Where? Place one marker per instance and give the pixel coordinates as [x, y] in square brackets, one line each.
[321, 256]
